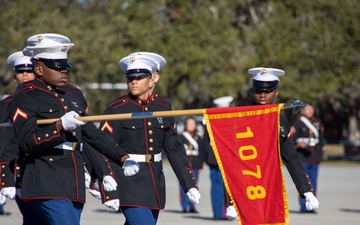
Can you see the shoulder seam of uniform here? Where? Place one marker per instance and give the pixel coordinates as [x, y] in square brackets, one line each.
[159, 103]
[119, 98]
[162, 98]
[72, 86]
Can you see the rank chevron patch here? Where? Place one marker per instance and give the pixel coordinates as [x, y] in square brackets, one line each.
[107, 127]
[21, 113]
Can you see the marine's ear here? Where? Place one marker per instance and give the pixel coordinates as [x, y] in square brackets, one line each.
[155, 77]
[276, 92]
[38, 69]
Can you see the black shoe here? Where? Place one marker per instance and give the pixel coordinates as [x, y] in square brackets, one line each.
[184, 211]
[193, 211]
[308, 212]
[5, 213]
[220, 219]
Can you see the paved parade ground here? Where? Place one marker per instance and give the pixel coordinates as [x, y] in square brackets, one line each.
[338, 187]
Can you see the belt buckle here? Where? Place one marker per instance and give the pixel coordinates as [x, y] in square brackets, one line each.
[75, 146]
[149, 158]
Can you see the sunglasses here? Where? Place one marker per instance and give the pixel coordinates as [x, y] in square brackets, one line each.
[261, 90]
[23, 71]
[55, 64]
[138, 77]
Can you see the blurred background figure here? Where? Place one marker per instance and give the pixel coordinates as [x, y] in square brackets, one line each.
[200, 125]
[309, 141]
[217, 184]
[195, 150]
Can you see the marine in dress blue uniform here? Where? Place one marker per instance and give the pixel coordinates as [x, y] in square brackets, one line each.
[53, 169]
[265, 90]
[10, 155]
[111, 198]
[22, 67]
[144, 140]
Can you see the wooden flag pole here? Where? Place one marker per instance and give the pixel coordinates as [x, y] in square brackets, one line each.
[126, 116]
[142, 115]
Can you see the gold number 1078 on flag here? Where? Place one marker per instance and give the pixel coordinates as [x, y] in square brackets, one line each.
[252, 192]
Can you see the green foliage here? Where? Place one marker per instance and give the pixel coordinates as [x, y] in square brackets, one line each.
[208, 45]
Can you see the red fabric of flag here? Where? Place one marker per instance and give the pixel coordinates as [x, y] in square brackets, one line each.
[245, 141]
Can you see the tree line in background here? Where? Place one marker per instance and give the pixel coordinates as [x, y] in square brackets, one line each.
[208, 45]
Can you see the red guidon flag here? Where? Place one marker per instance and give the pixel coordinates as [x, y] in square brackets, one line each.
[245, 141]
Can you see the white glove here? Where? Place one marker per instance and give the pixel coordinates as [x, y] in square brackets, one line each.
[194, 195]
[109, 183]
[69, 122]
[87, 180]
[312, 202]
[231, 213]
[2, 199]
[9, 192]
[113, 204]
[96, 194]
[131, 167]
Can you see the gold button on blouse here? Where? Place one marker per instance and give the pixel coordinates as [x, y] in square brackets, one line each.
[149, 123]
[65, 107]
[3, 166]
[150, 132]
[151, 149]
[46, 135]
[133, 127]
[151, 140]
[55, 132]
[50, 110]
[62, 99]
[56, 94]
[146, 109]
[73, 133]
[51, 159]
[39, 138]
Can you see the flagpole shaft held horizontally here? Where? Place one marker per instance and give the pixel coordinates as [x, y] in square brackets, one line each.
[126, 116]
[142, 115]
